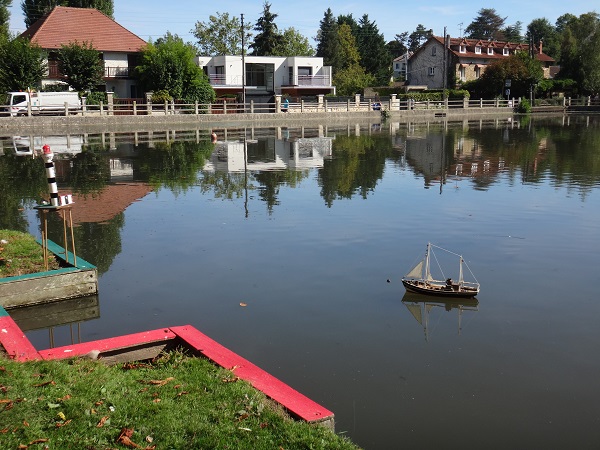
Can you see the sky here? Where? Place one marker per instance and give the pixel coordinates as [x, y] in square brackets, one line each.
[150, 19]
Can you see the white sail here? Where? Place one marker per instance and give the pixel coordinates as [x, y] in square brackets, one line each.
[417, 271]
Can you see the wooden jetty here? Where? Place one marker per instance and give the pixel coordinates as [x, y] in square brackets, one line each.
[75, 278]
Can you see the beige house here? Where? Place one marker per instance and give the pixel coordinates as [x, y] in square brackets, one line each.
[466, 59]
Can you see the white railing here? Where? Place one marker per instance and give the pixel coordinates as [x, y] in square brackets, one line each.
[218, 79]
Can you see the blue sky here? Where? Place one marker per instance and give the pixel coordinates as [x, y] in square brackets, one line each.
[153, 18]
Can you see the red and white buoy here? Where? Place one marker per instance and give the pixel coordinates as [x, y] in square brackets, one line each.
[51, 175]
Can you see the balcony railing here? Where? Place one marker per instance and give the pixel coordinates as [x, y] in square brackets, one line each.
[220, 79]
[109, 71]
[314, 80]
[117, 72]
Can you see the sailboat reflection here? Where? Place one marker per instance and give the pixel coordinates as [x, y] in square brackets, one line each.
[420, 307]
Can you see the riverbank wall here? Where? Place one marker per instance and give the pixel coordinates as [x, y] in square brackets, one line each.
[98, 123]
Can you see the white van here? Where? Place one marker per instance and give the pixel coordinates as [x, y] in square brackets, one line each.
[43, 102]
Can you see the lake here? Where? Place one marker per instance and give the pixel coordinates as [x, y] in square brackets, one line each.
[288, 245]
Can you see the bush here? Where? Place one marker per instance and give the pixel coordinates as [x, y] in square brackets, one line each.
[95, 97]
[161, 96]
[524, 107]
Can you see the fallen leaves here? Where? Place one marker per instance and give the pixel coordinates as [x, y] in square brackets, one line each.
[102, 422]
[230, 379]
[157, 382]
[125, 439]
[46, 383]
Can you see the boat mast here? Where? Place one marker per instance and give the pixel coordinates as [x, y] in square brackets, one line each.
[460, 271]
[427, 276]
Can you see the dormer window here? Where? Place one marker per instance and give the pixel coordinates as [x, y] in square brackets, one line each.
[478, 50]
[505, 52]
[490, 51]
[462, 49]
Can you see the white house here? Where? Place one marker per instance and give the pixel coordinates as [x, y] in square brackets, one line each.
[295, 76]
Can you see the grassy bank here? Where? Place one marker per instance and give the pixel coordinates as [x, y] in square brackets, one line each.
[20, 254]
[174, 402]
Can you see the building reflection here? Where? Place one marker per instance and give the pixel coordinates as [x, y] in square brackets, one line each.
[269, 153]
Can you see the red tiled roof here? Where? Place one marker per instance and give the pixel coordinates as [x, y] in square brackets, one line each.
[64, 25]
[470, 45]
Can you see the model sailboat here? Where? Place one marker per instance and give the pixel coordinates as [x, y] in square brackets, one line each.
[420, 279]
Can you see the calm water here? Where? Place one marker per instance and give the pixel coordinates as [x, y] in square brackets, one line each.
[313, 228]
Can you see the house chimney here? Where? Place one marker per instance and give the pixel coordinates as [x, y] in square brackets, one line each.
[541, 42]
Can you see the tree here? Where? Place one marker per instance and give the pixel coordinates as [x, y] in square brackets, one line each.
[418, 37]
[374, 55]
[4, 18]
[82, 65]
[35, 9]
[579, 58]
[328, 42]
[267, 38]
[294, 44]
[541, 30]
[170, 66]
[398, 47]
[22, 65]
[523, 71]
[350, 78]
[221, 35]
[512, 33]
[487, 25]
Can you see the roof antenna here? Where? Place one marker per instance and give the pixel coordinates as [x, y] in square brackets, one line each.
[460, 29]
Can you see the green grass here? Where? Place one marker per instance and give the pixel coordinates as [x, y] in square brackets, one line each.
[174, 402]
[20, 254]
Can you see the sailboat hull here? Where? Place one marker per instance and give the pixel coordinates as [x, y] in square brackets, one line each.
[439, 290]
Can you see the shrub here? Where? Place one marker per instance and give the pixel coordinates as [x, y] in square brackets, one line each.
[524, 107]
[161, 96]
[95, 97]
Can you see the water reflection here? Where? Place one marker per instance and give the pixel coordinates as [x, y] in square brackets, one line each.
[61, 320]
[421, 306]
[308, 246]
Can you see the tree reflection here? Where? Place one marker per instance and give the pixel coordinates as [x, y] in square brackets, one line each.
[173, 165]
[358, 164]
[22, 183]
[90, 170]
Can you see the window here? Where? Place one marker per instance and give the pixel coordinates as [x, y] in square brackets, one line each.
[505, 52]
[462, 74]
[478, 50]
[433, 50]
[261, 76]
[462, 49]
[431, 71]
[490, 51]
[477, 71]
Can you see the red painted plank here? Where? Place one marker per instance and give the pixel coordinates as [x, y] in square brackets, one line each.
[14, 340]
[110, 344]
[295, 402]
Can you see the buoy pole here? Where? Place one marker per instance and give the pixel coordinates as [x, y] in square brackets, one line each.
[51, 175]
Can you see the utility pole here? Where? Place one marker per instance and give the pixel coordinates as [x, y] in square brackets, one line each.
[445, 72]
[243, 66]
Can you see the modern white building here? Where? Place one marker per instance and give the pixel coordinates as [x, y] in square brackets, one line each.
[266, 76]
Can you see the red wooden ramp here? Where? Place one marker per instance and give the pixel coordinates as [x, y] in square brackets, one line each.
[293, 401]
[14, 341]
[148, 344]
